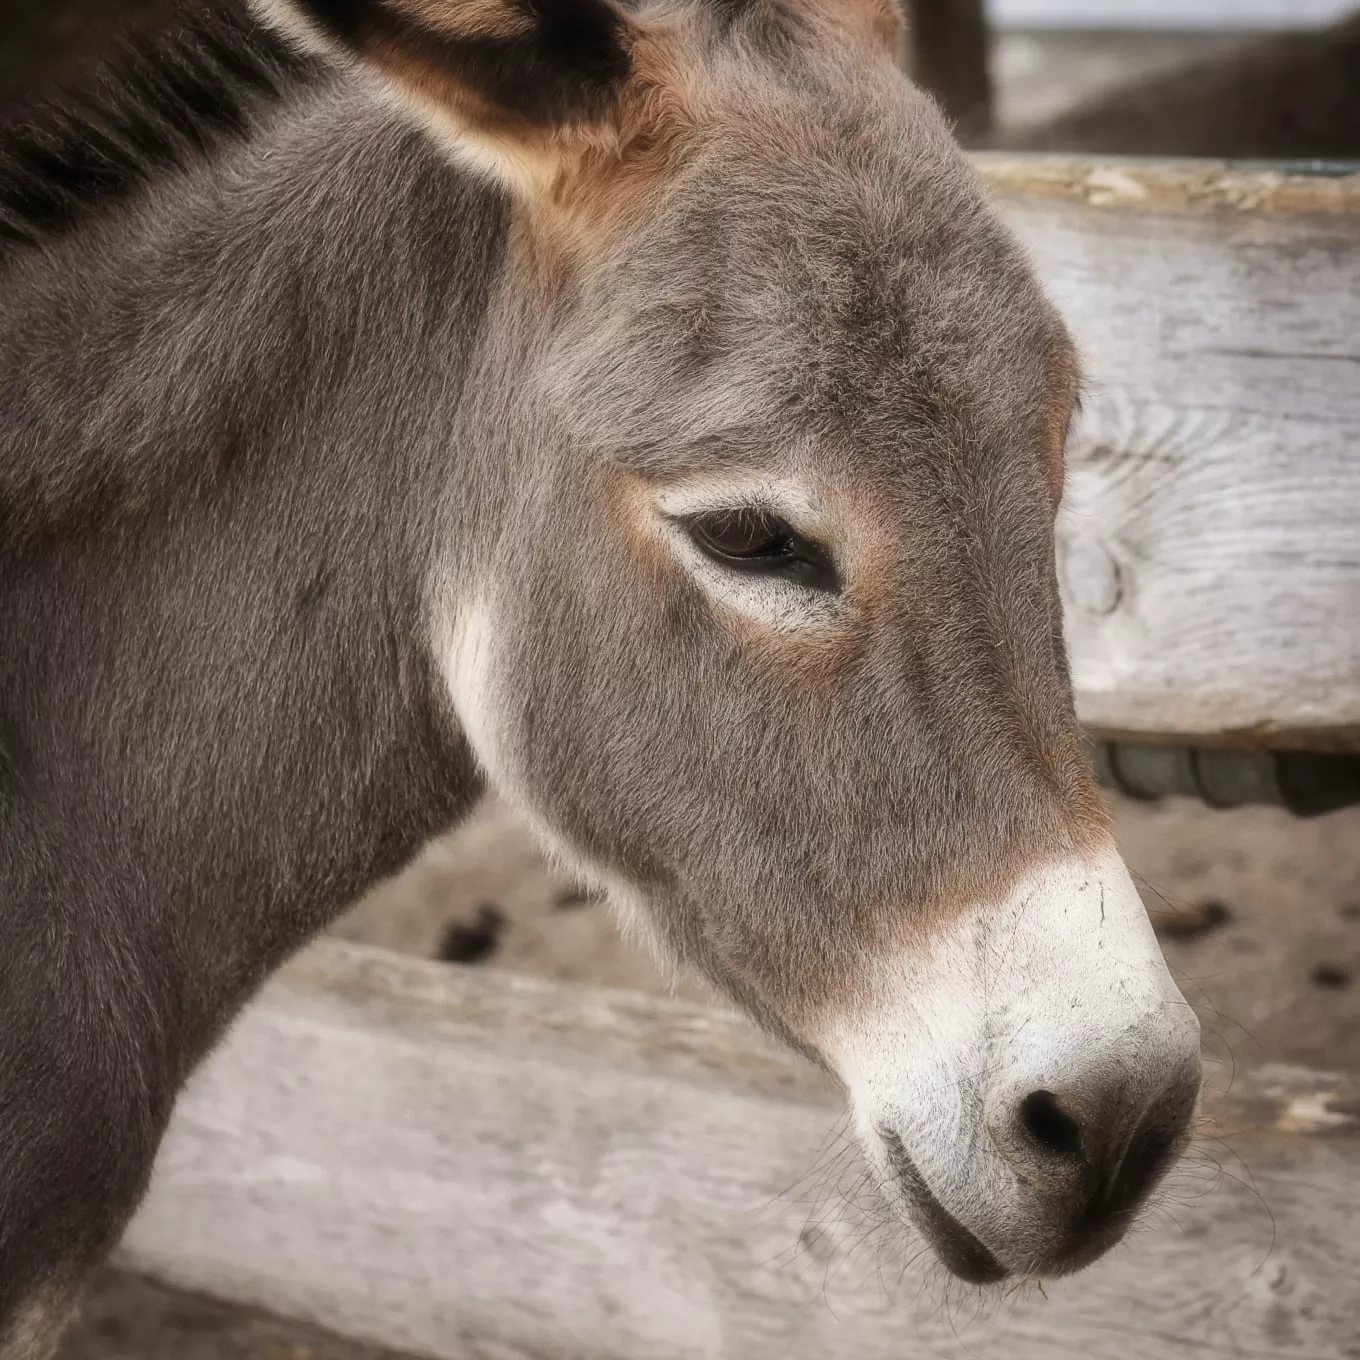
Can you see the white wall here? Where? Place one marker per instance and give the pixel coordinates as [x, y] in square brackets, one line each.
[1212, 14]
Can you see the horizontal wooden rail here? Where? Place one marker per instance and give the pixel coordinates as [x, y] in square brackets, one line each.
[1210, 537]
[470, 1165]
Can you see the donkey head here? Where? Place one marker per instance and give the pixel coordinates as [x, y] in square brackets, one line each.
[752, 607]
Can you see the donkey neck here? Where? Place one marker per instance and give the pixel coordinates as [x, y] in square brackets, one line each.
[232, 412]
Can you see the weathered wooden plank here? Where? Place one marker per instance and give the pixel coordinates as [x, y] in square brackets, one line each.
[1210, 540]
[473, 1165]
[1163, 14]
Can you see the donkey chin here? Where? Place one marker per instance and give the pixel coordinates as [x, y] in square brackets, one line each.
[1023, 1080]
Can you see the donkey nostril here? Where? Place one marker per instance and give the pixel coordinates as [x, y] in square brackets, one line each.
[1049, 1125]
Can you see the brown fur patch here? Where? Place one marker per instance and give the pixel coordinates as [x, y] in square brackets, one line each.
[609, 181]
[1060, 399]
[467, 19]
[481, 18]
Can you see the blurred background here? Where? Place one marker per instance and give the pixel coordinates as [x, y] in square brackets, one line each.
[1259, 911]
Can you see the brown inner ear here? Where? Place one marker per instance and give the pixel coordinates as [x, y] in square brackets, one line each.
[495, 66]
[468, 19]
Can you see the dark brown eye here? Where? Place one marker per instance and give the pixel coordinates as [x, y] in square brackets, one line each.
[743, 533]
[755, 540]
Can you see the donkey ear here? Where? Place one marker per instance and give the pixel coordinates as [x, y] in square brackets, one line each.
[507, 78]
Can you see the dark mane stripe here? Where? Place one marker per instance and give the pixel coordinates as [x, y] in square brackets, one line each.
[159, 105]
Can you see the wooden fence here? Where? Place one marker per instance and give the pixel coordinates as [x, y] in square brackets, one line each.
[476, 1165]
[1209, 549]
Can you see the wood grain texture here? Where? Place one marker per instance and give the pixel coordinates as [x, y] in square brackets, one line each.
[477, 1165]
[1210, 537]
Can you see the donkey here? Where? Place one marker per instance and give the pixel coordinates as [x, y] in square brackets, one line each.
[636, 409]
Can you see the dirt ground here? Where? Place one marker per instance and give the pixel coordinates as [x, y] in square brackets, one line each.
[1259, 912]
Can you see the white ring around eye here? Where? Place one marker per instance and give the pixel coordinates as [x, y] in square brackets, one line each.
[777, 601]
[787, 501]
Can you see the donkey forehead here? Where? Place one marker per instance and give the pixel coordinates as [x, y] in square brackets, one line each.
[817, 273]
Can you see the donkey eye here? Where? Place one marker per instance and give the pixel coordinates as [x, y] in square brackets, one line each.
[756, 541]
[746, 534]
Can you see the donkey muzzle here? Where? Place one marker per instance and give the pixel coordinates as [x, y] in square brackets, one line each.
[1028, 1076]
[1094, 1149]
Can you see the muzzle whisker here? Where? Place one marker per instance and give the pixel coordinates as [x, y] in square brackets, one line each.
[1247, 1181]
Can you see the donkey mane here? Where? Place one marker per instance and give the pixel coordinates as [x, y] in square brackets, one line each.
[164, 101]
